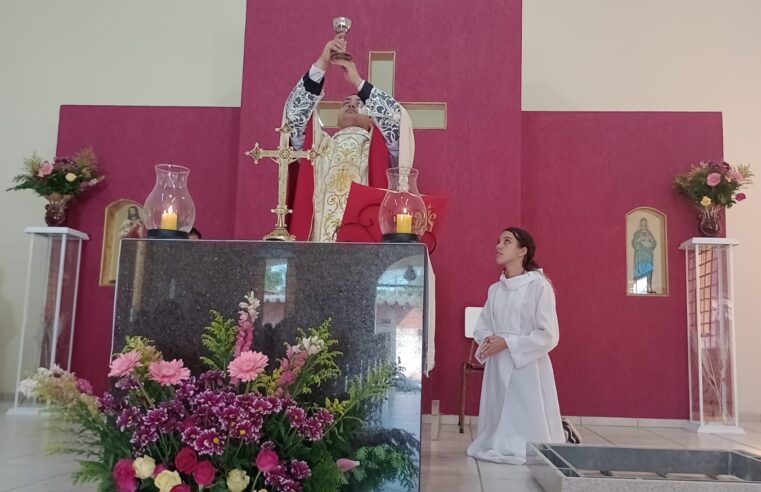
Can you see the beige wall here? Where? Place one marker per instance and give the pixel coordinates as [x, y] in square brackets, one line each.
[664, 55]
[141, 52]
[577, 55]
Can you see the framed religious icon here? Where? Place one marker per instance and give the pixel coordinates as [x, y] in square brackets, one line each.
[124, 219]
[646, 253]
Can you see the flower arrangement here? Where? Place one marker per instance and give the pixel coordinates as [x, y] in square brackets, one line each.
[59, 181]
[237, 426]
[712, 187]
[63, 177]
[714, 183]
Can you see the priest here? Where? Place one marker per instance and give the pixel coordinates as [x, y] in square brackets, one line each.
[374, 132]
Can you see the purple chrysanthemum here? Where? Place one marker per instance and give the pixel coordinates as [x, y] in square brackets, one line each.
[156, 417]
[126, 384]
[129, 418]
[300, 470]
[190, 435]
[209, 442]
[246, 430]
[324, 416]
[212, 379]
[143, 437]
[109, 405]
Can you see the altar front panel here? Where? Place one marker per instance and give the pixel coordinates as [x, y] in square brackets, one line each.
[375, 295]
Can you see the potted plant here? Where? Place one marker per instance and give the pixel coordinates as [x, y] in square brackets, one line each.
[712, 187]
[59, 181]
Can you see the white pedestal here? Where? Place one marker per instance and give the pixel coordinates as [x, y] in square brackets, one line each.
[711, 336]
[47, 326]
[714, 429]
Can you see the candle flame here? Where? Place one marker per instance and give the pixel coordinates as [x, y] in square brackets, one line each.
[169, 210]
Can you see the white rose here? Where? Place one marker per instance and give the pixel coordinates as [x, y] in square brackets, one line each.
[237, 480]
[144, 467]
[166, 480]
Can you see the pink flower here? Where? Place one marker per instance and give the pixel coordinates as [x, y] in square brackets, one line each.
[247, 365]
[740, 197]
[734, 175]
[183, 487]
[244, 338]
[205, 473]
[266, 460]
[167, 373]
[186, 460]
[45, 169]
[292, 350]
[124, 364]
[124, 476]
[345, 464]
[286, 378]
[713, 179]
[298, 360]
[159, 468]
[84, 386]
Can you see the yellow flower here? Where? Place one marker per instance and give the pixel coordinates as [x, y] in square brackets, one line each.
[167, 479]
[71, 177]
[237, 480]
[705, 201]
[144, 467]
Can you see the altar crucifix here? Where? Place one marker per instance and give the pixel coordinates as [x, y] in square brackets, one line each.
[283, 156]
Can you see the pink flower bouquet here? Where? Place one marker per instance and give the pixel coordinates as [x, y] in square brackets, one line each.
[240, 425]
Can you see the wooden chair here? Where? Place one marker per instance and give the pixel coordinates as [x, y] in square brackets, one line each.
[471, 365]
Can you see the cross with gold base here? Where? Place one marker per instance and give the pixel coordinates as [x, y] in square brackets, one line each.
[283, 156]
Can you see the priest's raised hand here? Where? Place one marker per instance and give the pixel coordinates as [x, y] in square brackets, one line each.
[337, 44]
[349, 68]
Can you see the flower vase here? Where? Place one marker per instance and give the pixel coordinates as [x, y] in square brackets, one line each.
[55, 210]
[710, 220]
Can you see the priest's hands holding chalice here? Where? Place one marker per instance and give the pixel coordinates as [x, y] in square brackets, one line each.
[332, 55]
[335, 45]
[492, 345]
[350, 71]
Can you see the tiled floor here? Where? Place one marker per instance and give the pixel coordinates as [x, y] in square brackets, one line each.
[448, 469]
[25, 468]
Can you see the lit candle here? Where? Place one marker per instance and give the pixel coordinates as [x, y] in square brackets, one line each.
[168, 219]
[404, 223]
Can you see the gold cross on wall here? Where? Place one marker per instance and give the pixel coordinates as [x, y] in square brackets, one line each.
[424, 115]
